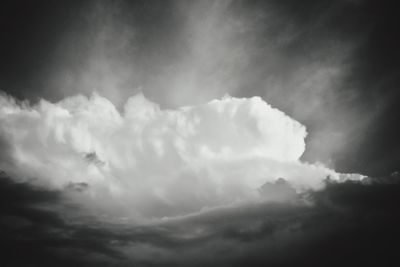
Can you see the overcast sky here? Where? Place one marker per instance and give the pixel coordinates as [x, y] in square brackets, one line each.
[314, 93]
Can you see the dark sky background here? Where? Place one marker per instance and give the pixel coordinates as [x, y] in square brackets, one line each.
[332, 65]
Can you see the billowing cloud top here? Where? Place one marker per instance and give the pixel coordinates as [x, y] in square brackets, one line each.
[152, 162]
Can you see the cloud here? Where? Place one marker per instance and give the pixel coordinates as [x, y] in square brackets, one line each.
[34, 230]
[146, 162]
[348, 223]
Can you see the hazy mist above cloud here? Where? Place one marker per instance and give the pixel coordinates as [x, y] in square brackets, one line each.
[198, 51]
[331, 65]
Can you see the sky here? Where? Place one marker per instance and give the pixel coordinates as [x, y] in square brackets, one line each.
[331, 65]
[199, 133]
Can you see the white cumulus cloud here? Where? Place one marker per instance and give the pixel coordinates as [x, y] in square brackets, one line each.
[149, 162]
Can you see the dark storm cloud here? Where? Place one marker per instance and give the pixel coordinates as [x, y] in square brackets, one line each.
[32, 233]
[349, 224]
[344, 224]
